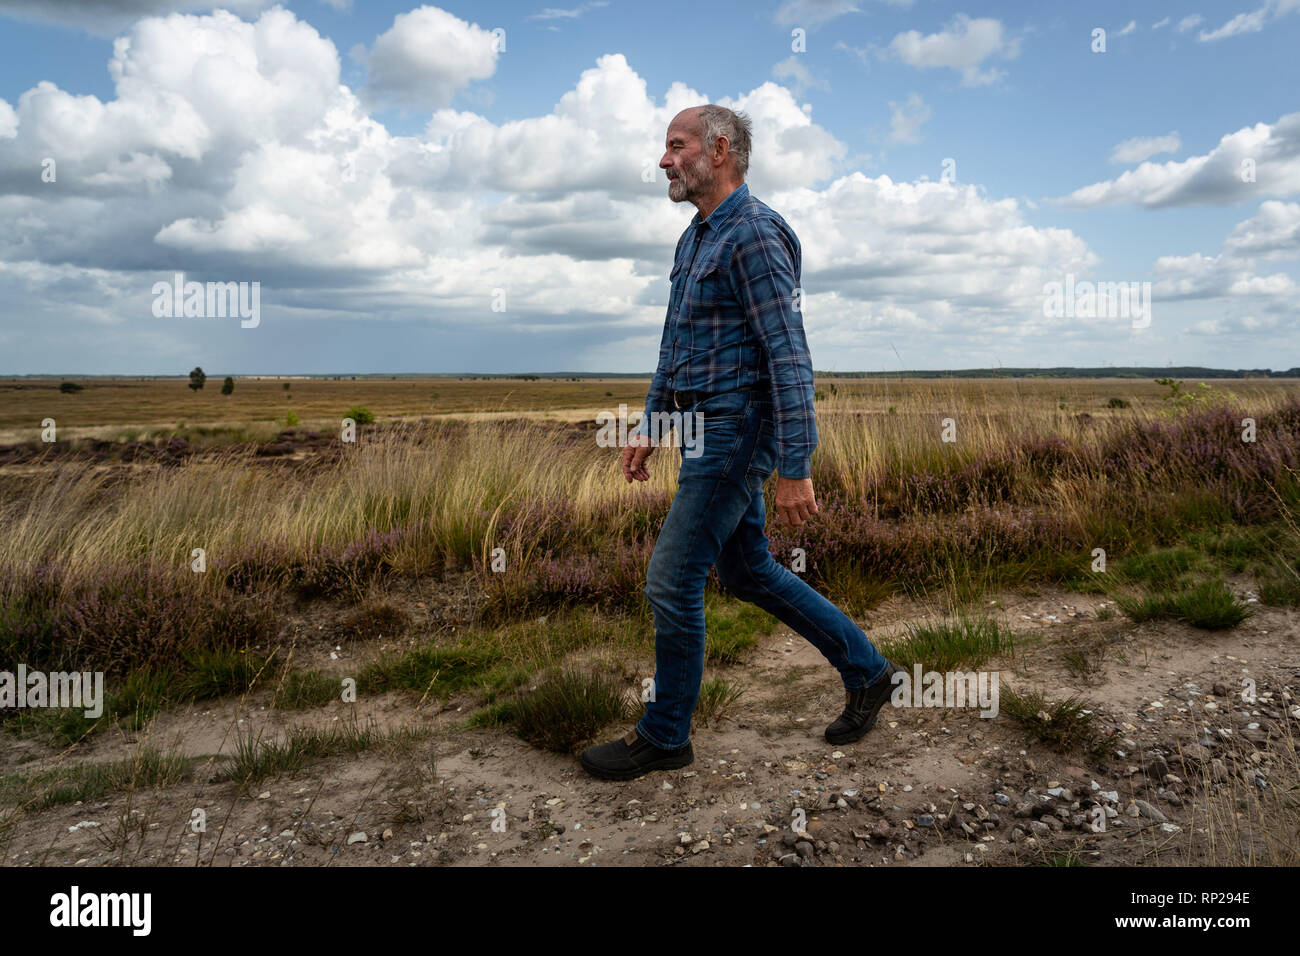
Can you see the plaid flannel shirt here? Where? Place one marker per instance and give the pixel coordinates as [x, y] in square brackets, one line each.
[733, 321]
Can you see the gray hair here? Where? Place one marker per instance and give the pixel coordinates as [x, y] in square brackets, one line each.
[718, 121]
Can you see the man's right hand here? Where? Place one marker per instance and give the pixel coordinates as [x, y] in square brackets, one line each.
[635, 453]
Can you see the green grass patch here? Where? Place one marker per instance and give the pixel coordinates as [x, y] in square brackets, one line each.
[1279, 586]
[437, 670]
[855, 590]
[141, 695]
[717, 697]
[299, 689]
[256, 759]
[1208, 605]
[211, 674]
[1236, 544]
[495, 714]
[1064, 726]
[965, 641]
[567, 709]
[1064, 858]
[1162, 567]
[733, 627]
[92, 781]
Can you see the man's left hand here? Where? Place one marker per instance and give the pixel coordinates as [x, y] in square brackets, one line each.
[795, 501]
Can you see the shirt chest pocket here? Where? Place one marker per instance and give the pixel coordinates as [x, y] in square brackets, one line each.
[711, 286]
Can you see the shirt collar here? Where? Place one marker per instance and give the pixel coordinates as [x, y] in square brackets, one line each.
[724, 208]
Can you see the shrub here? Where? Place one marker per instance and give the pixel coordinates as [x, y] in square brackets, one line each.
[567, 709]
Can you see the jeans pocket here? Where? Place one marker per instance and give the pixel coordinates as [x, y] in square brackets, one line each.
[725, 407]
[718, 429]
[763, 461]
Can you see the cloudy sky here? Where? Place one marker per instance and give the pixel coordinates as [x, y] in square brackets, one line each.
[392, 175]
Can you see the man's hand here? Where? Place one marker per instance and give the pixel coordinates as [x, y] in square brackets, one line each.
[635, 453]
[795, 501]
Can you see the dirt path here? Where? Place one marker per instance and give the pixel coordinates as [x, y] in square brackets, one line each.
[927, 787]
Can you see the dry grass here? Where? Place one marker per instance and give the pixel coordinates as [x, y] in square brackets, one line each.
[457, 494]
[1236, 822]
[319, 402]
[460, 485]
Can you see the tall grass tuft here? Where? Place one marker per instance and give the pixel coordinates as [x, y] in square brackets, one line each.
[567, 709]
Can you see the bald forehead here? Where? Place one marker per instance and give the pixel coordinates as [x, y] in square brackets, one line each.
[685, 124]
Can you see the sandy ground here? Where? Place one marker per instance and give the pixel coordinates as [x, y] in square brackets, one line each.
[927, 787]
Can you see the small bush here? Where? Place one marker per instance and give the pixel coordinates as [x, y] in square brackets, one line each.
[375, 618]
[716, 698]
[1208, 605]
[949, 645]
[1062, 725]
[568, 709]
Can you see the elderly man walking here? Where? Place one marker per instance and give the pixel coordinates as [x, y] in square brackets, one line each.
[733, 355]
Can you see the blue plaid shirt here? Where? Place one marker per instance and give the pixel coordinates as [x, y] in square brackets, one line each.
[733, 321]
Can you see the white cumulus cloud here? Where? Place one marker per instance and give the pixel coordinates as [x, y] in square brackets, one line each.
[426, 57]
[1253, 162]
[963, 45]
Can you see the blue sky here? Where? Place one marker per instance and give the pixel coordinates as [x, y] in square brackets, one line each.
[210, 143]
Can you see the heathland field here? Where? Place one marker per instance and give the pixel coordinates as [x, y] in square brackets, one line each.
[388, 650]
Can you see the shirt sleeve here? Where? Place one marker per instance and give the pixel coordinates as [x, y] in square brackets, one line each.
[765, 266]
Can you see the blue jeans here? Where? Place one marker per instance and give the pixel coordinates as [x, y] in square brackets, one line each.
[717, 517]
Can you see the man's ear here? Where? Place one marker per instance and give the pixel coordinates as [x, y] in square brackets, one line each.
[721, 157]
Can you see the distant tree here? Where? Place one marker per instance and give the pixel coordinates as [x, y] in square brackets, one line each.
[1181, 397]
[197, 378]
[286, 386]
[360, 415]
[67, 388]
[228, 386]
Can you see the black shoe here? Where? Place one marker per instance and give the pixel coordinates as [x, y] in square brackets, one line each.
[631, 757]
[861, 707]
